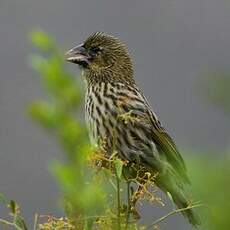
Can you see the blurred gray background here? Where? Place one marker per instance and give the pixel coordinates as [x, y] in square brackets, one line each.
[173, 42]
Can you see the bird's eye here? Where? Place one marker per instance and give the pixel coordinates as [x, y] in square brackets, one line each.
[95, 49]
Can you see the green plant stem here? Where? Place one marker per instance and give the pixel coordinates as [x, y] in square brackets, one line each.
[118, 203]
[172, 213]
[35, 221]
[5, 222]
[128, 205]
[88, 224]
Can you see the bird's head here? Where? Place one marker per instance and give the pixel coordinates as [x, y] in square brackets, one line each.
[102, 56]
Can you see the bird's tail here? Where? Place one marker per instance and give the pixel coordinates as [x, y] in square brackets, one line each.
[170, 182]
[181, 202]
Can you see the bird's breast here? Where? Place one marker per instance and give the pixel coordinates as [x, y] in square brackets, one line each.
[100, 111]
[112, 114]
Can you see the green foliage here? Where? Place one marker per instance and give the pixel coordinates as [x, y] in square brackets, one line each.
[82, 191]
[42, 40]
[211, 183]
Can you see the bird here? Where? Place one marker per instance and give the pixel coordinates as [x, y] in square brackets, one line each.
[111, 91]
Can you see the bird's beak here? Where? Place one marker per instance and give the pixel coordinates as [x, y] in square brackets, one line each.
[78, 55]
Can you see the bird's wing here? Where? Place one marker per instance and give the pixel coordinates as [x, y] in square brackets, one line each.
[164, 143]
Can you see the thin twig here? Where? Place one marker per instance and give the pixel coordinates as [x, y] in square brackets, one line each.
[128, 205]
[10, 223]
[114, 186]
[172, 213]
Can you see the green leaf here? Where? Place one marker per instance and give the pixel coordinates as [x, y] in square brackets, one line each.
[13, 207]
[45, 113]
[118, 167]
[40, 39]
[21, 223]
[36, 62]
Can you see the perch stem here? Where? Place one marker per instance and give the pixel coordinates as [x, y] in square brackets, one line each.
[172, 213]
[128, 204]
[5, 222]
[118, 203]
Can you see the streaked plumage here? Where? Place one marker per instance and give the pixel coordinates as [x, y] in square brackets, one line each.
[112, 93]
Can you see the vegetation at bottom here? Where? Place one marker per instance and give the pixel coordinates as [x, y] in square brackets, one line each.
[96, 194]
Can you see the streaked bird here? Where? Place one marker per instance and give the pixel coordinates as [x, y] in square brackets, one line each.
[112, 91]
